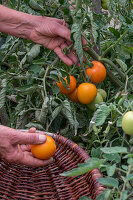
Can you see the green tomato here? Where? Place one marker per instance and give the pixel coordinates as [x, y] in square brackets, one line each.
[97, 100]
[127, 123]
[103, 93]
[104, 4]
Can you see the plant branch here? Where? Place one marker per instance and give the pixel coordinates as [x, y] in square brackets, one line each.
[78, 4]
[115, 44]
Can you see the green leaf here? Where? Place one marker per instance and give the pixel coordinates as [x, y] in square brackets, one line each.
[105, 195]
[101, 114]
[109, 182]
[83, 168]
[67, 111]
[56, 112]
[95, 152]
[3, 92]
[112, 157]
[76, 31]
[37, 125]
[34, 52]
[119, 122]
[111, 170]
[128, 156]
[34, 5]
[110, 150]
[122, 65]
[130, 177]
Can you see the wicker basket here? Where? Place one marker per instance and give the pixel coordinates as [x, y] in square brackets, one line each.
[45, 183]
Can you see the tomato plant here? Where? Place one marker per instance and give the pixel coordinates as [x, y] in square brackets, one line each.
[44, 151]
[86, 93]
[103, 93]
[127, 123]
[69, 88]
[97, 72]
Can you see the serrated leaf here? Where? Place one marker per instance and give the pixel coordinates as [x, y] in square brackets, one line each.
[111, 150]
[119, 122]
[68, 113]
[109, 182]
[56, 111]
[101, 114]
[122, 65]
[76, 31]
[36, 125]
[84, 198]
[83, 168]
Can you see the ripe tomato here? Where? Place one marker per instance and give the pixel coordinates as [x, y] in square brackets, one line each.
[73, 96]
[86, 93]
[104, 4]
[97, 72]
[103, 93]
[44, 151]
[71, 86]
[127, 123]
[97, 100]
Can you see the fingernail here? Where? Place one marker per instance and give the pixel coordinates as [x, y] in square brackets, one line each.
[42, 138]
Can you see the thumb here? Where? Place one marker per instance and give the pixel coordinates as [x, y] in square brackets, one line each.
[29, 138]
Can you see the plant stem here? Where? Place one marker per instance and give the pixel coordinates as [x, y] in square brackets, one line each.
[78, 4]
[18, 5]
[113, 45]
[109, 62]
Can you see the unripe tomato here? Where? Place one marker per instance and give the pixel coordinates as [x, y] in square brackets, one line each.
[104, 4]
[86, 93]
[127, 123]
[97, 100]
[44, 151]
[97, 72]
[73, 96]
[71, 86]
[103, 93]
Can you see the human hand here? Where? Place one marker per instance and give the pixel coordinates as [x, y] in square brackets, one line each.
[15, 146]
[53, 34]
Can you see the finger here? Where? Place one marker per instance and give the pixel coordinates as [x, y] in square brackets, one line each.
[62, 56]
[32, 130]
[62, 31]
[28, 138]
[29, 160]
[24, 147]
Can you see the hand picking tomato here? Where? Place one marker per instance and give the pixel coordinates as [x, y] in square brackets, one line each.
[97, 100]
[97, 72]
[86, 93]
[73, 96]
[71, 87]
[44, 151]
[127, 123]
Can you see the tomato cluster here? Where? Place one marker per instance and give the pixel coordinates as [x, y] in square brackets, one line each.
[86, 93]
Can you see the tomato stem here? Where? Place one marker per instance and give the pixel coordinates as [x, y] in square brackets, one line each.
[115, 44]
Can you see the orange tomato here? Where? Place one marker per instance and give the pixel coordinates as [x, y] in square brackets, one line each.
[87, 92]
[73, 96]
[97, 72]
[45, 150]
[71, 86]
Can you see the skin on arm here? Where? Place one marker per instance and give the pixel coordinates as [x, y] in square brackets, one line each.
[50, 32]
[15, 146]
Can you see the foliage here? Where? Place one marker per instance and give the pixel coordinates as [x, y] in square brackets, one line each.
[30, 97]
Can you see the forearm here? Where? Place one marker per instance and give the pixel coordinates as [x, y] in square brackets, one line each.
[16, 23]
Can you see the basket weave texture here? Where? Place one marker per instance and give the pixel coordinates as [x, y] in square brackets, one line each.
[45, 183]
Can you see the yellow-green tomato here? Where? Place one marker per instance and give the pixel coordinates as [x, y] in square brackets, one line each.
[103, 93]
[97, 100]
[127, 123]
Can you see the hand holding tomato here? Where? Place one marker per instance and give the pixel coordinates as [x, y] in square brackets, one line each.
[15, 146]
